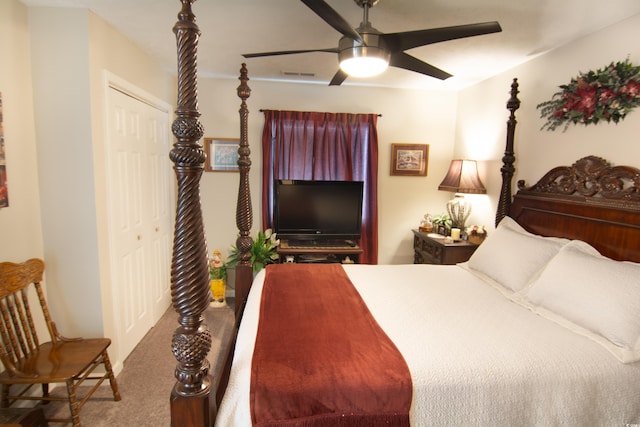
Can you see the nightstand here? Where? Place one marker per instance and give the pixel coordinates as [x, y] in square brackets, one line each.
[434, 250]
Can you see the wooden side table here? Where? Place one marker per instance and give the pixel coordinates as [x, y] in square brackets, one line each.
[433, 250]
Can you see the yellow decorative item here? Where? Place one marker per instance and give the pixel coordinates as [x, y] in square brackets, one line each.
[218, 280]
[218, 287]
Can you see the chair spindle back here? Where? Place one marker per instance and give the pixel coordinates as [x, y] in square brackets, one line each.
[18, 334]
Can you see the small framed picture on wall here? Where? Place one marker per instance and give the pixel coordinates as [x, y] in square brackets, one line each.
[222, 154]
[409, 159]
[4, 191]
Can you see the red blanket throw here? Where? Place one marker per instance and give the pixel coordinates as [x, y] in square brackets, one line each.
[320, 357]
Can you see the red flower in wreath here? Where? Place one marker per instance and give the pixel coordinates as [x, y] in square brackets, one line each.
[631, 89]
[585, 99]
[606, 95]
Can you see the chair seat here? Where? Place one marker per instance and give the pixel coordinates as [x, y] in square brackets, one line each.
[57, 363]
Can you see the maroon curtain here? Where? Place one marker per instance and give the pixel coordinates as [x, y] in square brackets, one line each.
[323, 146]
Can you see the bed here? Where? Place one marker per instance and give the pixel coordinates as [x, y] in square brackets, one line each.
[546, 334]
[543, 335]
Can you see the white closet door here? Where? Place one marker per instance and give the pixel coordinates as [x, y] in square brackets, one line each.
[140, 219]
[161, 204]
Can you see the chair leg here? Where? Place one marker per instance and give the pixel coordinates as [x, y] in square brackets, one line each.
[45, 393]
[4, 401]
[112, 378]
[73, 404]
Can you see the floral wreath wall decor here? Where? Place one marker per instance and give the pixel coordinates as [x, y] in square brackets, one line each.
[607, 94]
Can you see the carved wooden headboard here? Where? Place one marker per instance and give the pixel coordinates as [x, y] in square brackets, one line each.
[590, 201]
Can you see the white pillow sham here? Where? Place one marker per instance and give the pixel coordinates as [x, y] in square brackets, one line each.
[512, 257]
[596, 293]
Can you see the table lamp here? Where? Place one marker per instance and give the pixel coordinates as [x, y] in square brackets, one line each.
[462, 178]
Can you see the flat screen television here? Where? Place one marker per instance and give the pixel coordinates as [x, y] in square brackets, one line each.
[318, 210]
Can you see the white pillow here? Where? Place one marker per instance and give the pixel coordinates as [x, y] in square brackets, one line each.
[513, 257]
[593, 292]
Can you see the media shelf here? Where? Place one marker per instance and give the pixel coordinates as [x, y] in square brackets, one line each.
[319, 251]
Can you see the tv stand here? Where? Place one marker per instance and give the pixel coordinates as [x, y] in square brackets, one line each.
[321, 243]
[319, 251]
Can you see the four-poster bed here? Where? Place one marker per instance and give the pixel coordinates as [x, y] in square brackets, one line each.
[487, 343]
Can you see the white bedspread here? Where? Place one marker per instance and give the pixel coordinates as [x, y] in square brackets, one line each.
[476, 358]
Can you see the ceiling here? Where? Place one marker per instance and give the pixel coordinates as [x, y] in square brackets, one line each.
[232, 27]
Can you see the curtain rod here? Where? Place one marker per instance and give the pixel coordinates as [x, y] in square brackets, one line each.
[263, 110]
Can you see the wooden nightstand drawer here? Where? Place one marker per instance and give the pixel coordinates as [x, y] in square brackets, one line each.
[428, 250]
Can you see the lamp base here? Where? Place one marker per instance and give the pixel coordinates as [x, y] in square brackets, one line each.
[459, 210]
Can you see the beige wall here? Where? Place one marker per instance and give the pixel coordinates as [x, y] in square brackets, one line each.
[407, 117]
[482, 113]
[72, 50]
[19, 223]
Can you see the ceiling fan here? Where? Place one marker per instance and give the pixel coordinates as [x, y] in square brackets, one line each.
[365, 51]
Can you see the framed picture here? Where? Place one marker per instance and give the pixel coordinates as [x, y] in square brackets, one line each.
[4, 191]
[409, 159]
[222, 154]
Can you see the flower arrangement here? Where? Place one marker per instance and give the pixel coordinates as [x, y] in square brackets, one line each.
[475, 230]
[476, 233]
[607, 94]
[263, 251]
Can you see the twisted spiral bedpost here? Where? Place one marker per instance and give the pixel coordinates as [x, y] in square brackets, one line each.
[189, 268]
[244, 213]
[507, 169]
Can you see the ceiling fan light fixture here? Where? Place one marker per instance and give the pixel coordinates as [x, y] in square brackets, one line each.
[366, 51]
[364, 66]
[364, 61]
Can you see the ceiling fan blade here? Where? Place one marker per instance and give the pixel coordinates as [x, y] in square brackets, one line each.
[331, 17]
[408, 62]
[410, 39]
[287, 52]
[338, 78]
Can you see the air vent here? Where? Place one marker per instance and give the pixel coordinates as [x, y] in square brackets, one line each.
[298, 74]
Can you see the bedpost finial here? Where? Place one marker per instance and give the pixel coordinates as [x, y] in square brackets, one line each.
[514, 103]
[244, 91]
[507, 169]
[186, 14]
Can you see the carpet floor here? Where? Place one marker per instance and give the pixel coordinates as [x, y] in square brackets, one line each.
[147, 377]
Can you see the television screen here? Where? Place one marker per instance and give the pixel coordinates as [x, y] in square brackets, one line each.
[311, 210]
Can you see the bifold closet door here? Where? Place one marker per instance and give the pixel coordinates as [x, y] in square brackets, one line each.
[139, 177]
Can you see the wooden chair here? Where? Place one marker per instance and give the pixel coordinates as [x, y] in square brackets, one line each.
[61, 360]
